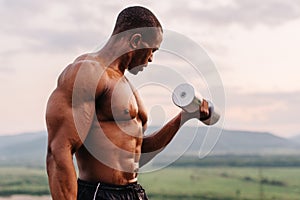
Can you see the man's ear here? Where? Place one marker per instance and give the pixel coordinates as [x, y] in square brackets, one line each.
[135, 40]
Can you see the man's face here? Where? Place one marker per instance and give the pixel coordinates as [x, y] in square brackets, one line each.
[144, 55]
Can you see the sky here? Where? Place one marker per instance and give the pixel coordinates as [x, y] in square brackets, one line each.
[254, 45]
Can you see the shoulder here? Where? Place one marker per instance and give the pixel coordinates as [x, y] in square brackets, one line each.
[85, 73]
[84, 67]
[87, 63]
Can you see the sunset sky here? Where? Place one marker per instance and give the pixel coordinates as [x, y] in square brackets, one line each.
[254, 44]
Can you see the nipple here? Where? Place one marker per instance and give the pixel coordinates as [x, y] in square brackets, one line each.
[126, 111]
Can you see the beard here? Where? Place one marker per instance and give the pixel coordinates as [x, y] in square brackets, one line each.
[137, 69]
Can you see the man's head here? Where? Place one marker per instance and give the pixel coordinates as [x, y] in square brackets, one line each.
[135, 17]
[144, 34]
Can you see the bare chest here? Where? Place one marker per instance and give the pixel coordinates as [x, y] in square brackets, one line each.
[118, 103]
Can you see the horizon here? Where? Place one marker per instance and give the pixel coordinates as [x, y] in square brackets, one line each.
[156, 126]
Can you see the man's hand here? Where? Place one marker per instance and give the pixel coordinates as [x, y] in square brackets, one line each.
[202, 114]
[204, 110]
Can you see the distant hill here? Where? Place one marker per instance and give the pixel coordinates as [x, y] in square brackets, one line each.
[8, 140]
[30, 148]
[295, 139]
[193, 141]
[23, 149]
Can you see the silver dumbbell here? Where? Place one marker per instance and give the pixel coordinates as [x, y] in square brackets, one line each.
[185, 97]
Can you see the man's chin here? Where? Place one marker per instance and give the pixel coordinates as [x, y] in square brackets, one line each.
[136, 70]
[133, 72]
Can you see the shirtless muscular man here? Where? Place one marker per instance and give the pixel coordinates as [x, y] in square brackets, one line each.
[96, 114]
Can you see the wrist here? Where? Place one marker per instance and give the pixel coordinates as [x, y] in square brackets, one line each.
[186, 116]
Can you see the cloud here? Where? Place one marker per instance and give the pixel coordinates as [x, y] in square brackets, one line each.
[247, 13]
[54, 26]
[277, 112]
[47, 34]
[67, 25]
[6, 70]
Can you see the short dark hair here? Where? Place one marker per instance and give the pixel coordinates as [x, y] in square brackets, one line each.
[135, 17]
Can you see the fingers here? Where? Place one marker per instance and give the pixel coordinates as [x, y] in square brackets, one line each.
[204, 110]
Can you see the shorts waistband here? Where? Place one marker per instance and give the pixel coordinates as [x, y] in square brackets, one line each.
[107, 186]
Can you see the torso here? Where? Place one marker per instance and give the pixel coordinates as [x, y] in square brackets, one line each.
[112, 148]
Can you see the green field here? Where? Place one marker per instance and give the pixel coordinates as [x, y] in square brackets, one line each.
[21, 180]
[223, 183]
[218, 183]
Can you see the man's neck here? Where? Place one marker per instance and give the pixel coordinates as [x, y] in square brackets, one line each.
[115, 54]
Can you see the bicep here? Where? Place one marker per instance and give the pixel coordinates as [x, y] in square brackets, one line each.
[83, 116]
[68, 126]
[145, 126]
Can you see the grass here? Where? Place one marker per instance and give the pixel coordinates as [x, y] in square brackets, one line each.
[223, 183]
[174, 183]
[21, 180]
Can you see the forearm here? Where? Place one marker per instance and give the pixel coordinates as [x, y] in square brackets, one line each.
[157, 141]
[162, 137]
[62, 176]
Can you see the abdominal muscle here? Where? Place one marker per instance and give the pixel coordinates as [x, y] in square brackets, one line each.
[111, 152]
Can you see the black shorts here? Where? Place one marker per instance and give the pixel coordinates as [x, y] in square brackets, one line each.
[101, 191]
